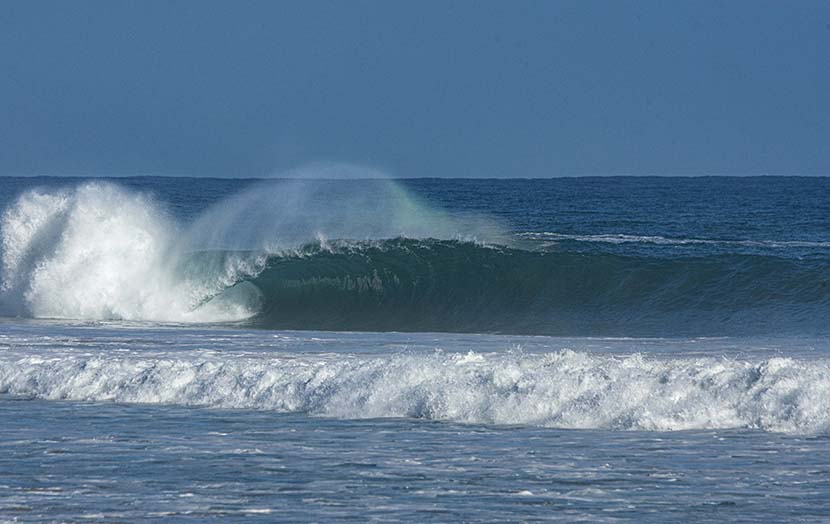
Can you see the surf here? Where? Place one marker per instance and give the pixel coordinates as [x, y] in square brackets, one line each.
[557, 389]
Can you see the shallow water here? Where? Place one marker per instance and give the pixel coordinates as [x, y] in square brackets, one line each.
[80, 462]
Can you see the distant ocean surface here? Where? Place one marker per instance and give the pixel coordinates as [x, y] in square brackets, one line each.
[613, 349]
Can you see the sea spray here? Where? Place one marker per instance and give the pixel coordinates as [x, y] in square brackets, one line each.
[281, 216]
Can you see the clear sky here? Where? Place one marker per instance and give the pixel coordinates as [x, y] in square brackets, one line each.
[449, 88]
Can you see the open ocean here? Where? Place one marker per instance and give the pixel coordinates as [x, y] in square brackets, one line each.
[578, 349]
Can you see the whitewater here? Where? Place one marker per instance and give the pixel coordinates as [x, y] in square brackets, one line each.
[411, 376]
[192, 350]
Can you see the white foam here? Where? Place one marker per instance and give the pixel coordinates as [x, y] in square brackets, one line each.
[563, 389]
[99, 252]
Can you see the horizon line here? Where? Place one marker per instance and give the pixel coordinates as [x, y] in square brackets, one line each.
[555, 177]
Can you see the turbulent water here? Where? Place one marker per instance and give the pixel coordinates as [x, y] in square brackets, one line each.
[662, 314]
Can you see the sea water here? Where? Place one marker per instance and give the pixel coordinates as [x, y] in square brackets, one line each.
[598, 350]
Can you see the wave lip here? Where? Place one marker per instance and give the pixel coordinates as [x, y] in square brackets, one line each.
[563, 389]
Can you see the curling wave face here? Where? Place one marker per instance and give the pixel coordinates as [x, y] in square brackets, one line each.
[434, 285]
[562, 389]
[305, 255]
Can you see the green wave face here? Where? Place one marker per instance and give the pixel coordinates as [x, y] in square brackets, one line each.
[438, 285]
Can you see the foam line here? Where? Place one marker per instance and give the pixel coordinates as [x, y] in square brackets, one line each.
[563, 389]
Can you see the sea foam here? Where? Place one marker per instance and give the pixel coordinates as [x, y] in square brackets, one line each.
[561, 389]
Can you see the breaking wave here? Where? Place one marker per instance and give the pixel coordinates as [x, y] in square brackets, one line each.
[309, 255]
[563, 389]
[97, 251]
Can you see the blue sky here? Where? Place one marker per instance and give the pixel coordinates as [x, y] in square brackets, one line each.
[445, 89]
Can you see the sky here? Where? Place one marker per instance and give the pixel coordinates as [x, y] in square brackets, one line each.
[415, 89]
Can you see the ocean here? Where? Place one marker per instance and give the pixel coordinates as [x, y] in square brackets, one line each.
[620, 349]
